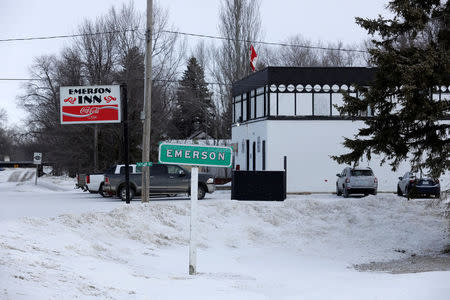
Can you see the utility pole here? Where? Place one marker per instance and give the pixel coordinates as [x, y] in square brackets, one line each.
[95, 148]
[147, 104]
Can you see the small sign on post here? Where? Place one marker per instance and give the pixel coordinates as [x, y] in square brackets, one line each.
[144, 164]
[194, 155]
[37, 160]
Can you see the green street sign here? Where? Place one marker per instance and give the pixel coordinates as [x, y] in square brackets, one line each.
[144, 164]
[196, 155]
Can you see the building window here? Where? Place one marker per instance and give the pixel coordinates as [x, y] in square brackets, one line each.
[237, 111]
[304, 104]
[260, 106]
[286, 104]
[321, 104]
[336, 99]
[252, 107]
[273, 103]
[244, 107]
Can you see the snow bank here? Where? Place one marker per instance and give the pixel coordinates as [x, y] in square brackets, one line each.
[23, 179]
[247, 250]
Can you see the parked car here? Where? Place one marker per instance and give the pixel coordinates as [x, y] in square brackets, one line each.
[95, 182]
[356, 181]
[409, 185]
[81, 182]
[164, 180]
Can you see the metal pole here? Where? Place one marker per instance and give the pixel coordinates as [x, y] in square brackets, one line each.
[147, 104]
[37, 173]
[193, 239]
[95, 147]
[126, 147]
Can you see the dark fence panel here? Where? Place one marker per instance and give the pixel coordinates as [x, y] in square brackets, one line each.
[258, 185]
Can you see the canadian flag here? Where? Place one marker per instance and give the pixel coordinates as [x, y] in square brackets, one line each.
[253, 58]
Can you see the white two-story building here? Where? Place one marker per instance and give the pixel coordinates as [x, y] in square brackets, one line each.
[289, 111]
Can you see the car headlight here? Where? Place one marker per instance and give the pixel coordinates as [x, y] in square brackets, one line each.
[210, 180]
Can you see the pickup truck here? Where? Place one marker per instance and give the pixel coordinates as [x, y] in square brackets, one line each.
[94, 182]
[164, 180]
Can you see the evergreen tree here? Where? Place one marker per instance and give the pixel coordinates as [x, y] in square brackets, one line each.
[194, 107]
[412, 60]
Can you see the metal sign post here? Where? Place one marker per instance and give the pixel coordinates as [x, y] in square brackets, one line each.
[195, 156]
[123, 92]
[37, 160]
[193, 230]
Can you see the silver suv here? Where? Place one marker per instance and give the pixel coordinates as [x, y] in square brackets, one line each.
[356, 181]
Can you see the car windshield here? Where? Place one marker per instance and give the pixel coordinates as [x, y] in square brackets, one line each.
[361, 173]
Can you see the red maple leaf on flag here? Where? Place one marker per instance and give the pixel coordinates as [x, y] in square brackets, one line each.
[253, 58]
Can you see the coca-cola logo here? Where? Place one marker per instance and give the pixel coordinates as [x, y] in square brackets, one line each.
[89, 110]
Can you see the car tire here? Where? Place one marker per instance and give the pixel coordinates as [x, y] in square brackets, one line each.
[201, 192]
[407, 193]
[345, 193]
[399, 191]
[123, 193]
[103, 193]
[375, 192]
[338, 192]
[438, 195]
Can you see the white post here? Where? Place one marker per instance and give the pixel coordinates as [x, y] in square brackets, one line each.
[37, 172]
[193, 240]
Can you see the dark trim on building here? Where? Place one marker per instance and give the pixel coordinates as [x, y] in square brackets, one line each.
[304, 75]
[311, 118]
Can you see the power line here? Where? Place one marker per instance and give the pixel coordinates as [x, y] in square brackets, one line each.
[185, 34]
[132, 79]
[65, 36]
[263, 42]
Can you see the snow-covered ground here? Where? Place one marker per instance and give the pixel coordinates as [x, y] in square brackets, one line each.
[60, 243]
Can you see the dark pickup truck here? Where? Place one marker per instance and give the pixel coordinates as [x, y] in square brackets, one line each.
[164, 180]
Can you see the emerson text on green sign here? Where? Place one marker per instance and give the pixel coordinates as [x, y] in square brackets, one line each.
[195, 155]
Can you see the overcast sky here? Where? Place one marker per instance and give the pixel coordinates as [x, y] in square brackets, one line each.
[325, 20]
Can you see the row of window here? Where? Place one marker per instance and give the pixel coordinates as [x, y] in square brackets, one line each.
[253, 105]
[264, 102]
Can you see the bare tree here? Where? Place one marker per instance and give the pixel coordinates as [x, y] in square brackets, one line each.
[302, 52]
[239, 23]
[5, 142]
[293, 56]
[100, 58]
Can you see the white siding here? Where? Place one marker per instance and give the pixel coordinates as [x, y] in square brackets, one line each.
[308, 146]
